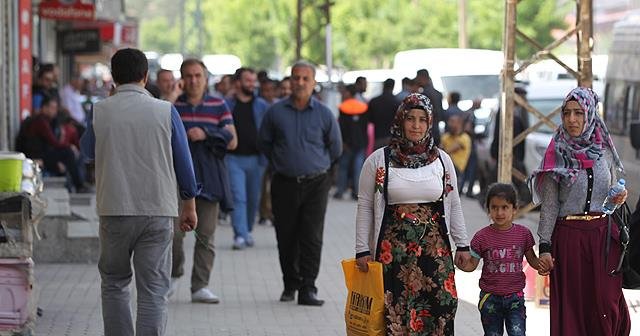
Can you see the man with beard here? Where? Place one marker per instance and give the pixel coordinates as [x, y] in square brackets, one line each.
[246, 166]
[301, 138]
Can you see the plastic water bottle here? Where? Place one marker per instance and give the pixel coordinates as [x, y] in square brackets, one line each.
[608, 206]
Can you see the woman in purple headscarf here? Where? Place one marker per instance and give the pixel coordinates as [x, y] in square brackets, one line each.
[407, 205]
[578, 243]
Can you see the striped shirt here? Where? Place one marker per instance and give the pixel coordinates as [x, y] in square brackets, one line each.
[502, 253]
[210, 114]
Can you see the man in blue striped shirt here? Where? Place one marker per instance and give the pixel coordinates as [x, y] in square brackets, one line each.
[209, 126]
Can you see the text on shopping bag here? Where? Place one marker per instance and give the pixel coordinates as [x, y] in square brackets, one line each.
[364, 309]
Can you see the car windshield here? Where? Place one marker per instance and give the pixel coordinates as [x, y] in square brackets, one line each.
[472, 87]
[545, 106]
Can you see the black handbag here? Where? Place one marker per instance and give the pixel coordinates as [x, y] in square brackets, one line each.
[629, 265]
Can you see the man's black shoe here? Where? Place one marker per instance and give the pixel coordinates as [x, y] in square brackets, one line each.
[309, 299]
[288, 295]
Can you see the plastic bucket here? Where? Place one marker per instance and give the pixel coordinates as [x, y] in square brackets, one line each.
[11, 171]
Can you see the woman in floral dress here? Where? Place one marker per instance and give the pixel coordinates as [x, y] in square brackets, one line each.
[407, 207]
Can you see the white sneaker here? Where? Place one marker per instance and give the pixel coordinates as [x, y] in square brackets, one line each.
[173, 287]
[204, 295]
[239, 243]
[249, 241]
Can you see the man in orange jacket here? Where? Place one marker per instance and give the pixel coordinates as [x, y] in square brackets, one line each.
[353, 121]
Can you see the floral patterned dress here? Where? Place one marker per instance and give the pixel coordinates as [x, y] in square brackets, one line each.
[418, 270]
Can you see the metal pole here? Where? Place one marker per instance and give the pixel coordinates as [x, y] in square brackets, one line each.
[328, 48]
[299, 30]
[585, 42]
[4, 78]
[200, 27]
[182, 25]
[462, 24]
[505, 155]
[329, 52]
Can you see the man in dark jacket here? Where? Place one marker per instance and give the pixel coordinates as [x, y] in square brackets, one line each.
[424, 80]
[353, 127]
[209, 126]
[520, 124]
[382, 109]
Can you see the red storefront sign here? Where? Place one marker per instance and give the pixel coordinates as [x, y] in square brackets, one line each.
[67, 10]
[118, 33]
[24, 57]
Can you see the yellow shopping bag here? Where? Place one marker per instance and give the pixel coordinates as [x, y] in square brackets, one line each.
[364, 311]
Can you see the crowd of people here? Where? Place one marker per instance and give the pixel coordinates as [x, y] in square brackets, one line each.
[261, 149]
[51, 134]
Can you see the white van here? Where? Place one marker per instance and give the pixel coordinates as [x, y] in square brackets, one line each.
[550, 70]
[474, 73]
[221, 64]
[375, 79]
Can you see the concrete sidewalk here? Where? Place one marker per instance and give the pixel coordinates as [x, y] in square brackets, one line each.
[249, 285]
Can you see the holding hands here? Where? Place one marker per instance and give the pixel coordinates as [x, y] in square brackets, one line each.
[462, 258]
[545, 264]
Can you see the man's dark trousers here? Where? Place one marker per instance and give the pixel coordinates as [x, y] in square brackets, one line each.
[299, 207]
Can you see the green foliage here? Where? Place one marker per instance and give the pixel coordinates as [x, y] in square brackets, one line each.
[158, 34]
[366, 33]
[369, 33]
[536, 19]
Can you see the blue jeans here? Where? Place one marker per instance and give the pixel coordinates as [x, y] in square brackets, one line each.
[469, 176]
[245, 177]
[351, 160]
[498, 310]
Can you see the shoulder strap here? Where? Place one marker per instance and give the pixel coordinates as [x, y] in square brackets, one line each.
[444, 175]
[587, 203]
[387, 152]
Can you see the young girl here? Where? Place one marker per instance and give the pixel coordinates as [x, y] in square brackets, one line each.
[502, 245]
